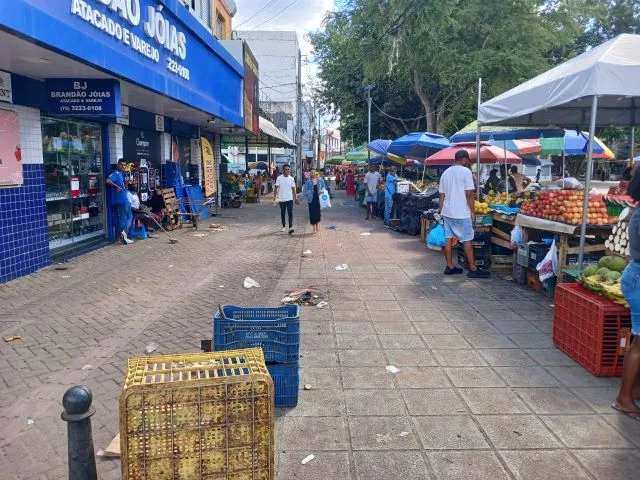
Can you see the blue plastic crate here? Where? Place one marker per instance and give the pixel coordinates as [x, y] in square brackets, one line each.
[276, 330]
[286, 380]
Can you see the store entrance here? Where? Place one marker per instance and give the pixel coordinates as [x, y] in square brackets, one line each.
[74, 181]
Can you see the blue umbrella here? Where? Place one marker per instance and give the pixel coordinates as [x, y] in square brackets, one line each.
[492, 132]
[379, 146]
[418, 145]
[575, 143]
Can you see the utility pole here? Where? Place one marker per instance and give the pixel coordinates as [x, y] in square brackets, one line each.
[317, 163]
[299, 119]
[368, 88]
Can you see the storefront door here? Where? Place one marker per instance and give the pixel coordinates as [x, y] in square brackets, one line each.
[74, 180]
[142, 154]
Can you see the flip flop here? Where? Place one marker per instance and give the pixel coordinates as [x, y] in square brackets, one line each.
[633, 415]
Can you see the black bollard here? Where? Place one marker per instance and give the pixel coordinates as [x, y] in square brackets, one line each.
[77, 413]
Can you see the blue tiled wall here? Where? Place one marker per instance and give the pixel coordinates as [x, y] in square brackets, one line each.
[24, 237]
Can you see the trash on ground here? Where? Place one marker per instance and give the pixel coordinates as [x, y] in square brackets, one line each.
[392, 369]
[344, 266]
[322, 304]
[365, 234]
[307, 459]
[403, 434]
[434, 288]
[170, 266]
[220, 286]
[30, 421]
[87, 367]
[200, 235]
[11, 338]
[250, 283]
[307, 386]
[307, 252]
[151, 347]
[308, 297]
[111, 450]
[332, 227]
[216, 227]
[66, 276]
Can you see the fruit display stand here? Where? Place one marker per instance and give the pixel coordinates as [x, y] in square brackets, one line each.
[534, 228]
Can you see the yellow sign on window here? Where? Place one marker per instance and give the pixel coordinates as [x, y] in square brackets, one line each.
[210, 176]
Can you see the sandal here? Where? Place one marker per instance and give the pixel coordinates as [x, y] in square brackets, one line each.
[633, 415]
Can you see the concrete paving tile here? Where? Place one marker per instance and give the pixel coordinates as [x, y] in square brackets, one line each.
[515, 326]
[610, 464]
[318, 358]
[545, 326]
[348, 305]
[390, 465]
[432, 315]
[490, 341]
[387, 316]
[469, 465]
[598, 398]
[385, 296]
[375, 306]
[435, 328]
[374, 402]
[476, 328]
[579, 377]
[483, 401]
[381, 433]
[401, 341]
[532, 340]
[446, 342]
[366, 377]
[433, 401]
[459, 358]
[362, 358]
[310, 434]
[369, 282]
[354, 341]
[325, 465]
[585, 431]
[517, 432]
[464, 316]
[411, 358]
[501, 315]
[409, 296]
[350, 316]
[354, 328]
[474, 377]
[543, 465]
[527, 377]
[318, 403]
[421, 377]
[552, 400]
[417, 305]
[507, 357]
[317, 341]
[627, 426]
[320, 377]
[394, 327]
[453, 432]
[550, 357]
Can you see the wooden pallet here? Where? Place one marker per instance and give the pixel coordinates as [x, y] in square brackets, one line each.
[174, 215]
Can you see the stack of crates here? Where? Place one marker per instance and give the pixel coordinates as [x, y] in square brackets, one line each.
[197, 416]
[481, 251]
[277, 331]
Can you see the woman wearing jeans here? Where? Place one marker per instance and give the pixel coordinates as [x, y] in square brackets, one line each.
[630, 284]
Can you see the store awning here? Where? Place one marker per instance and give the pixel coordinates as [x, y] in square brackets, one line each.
[562, 95]
[269, 129]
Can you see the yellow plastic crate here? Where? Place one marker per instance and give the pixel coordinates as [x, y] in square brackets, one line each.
[198, 416]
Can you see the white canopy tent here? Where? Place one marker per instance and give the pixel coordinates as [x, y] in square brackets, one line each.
[601, 87]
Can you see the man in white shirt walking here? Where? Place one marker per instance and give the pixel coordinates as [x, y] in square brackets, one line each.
[371, 181]
[285, 191]
[457, 209]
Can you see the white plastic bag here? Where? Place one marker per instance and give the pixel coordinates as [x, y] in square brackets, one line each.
[516, 236]
[548, 267]
[250, 283]
[325, 201]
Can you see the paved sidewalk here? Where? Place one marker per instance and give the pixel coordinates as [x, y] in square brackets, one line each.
[481, 393]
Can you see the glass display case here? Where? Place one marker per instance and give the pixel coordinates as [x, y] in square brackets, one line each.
[73, 166]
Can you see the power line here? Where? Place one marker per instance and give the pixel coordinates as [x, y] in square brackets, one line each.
[397, 118]
[271, 18]
[258, 12]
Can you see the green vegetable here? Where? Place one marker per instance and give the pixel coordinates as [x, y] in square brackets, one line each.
[603, 272]
[604, 262]
[590, 270]
[617, 263]
[613, 276]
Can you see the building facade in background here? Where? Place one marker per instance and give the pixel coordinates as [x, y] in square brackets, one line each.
[215, 15]
[88, 84]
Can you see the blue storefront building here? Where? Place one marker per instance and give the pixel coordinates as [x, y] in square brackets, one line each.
[84, 83]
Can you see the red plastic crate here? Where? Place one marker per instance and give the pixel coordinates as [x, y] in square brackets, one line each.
[591, 329]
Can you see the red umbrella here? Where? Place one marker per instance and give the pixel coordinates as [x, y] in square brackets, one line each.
[488, 154]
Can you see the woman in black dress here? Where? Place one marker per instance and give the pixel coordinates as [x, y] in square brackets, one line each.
[311, 191]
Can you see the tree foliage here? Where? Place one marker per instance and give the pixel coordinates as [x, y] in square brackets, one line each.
[425, 57]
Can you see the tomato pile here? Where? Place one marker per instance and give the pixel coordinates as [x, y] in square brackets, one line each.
[567, 206]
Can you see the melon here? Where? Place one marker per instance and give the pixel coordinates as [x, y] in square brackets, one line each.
[613, 276]
[590, 270]
[602, 272]
[604, 262]
[617, 263]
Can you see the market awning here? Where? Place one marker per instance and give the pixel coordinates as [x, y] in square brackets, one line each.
[269, 129]
[560, 96]
[496, 132]
[488, 154]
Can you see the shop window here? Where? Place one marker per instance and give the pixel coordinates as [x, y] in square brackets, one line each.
[220, 27]
[74, 180]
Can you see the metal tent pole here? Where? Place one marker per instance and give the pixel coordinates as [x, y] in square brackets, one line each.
[506, 168]
[478, 139]
[633, 141]
[587, 183]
